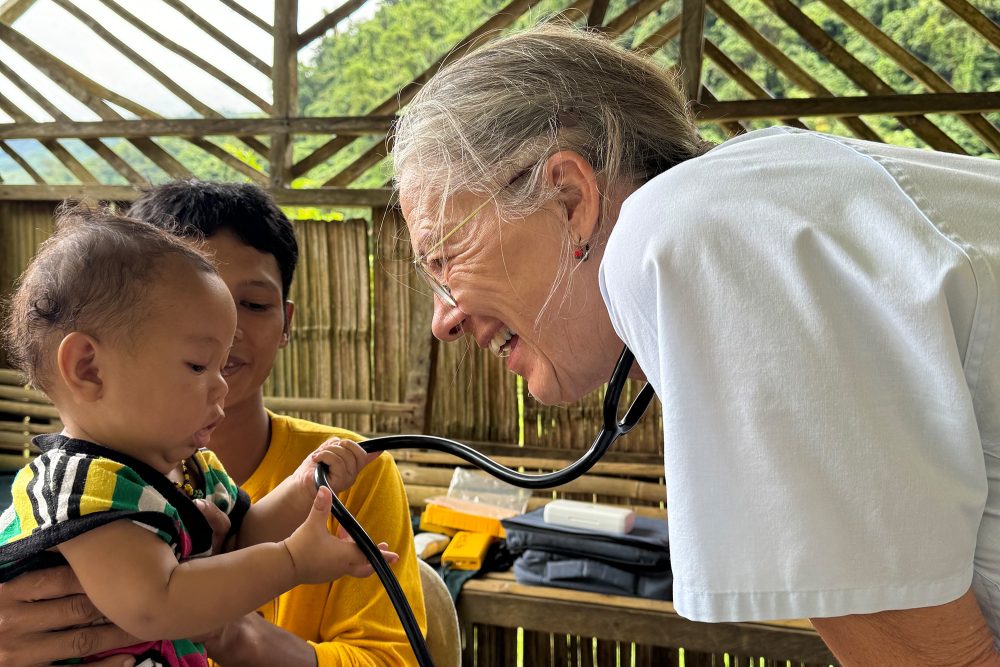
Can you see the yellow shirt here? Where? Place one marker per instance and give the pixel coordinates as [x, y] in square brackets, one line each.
[350, 621]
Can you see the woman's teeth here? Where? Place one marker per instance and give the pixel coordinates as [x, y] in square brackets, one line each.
[499, 343]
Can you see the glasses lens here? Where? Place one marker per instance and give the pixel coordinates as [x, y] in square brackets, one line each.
[441, 291]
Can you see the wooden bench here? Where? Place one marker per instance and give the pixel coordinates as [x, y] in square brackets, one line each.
[554, 626]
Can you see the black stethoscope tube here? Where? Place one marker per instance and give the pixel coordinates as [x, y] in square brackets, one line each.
[611, 431]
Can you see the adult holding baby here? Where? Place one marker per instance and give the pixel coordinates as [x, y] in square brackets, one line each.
[343, 622]
[819, 317]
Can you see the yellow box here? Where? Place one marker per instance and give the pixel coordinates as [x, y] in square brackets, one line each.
[463, 515]
[466, 550]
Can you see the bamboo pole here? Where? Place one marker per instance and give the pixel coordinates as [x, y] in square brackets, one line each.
[53, 146]
[597, 11]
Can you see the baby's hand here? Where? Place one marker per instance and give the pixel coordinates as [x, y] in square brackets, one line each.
[344, 458]
[319, 557]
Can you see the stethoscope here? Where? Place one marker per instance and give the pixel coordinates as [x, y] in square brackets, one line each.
[612, 430]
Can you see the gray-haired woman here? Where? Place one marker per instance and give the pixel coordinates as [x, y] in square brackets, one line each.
[819, 316]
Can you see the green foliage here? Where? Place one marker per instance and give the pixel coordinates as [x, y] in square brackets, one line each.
[356, 70]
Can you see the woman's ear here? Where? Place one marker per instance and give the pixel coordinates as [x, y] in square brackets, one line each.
[77, 361]
[286, 332]
[579, 195]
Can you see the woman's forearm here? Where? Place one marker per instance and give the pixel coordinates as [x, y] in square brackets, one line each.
[252, 641]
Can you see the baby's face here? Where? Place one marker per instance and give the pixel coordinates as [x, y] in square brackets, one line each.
[164, 393]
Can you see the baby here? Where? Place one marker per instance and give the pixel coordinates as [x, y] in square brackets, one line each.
[127, 328]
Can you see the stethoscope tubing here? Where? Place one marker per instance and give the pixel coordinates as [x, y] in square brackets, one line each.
[612, 430]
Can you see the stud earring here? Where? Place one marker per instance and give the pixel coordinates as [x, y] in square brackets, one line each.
[581, 252]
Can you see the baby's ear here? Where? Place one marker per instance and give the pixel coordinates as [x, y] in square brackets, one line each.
[77, 359]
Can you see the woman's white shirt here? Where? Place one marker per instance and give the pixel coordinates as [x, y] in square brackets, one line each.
[820, 318]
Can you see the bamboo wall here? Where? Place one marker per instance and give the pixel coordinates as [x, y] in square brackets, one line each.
[361, 331]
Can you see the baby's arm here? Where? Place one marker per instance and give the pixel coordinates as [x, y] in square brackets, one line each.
[133, 578]
[278, 513]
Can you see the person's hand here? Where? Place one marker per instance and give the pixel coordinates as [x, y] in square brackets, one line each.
[218, 520]
[318, 556]
[44, 617]
[344, 460]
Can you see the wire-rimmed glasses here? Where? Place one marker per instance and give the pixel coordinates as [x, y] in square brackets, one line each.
[420, 262]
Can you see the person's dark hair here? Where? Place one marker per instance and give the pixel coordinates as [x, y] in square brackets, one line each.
[92, 275]
[203, 208]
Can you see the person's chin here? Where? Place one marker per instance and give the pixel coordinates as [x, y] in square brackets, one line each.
[544, 390]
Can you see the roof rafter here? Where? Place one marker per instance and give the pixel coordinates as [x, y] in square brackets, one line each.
[857, 72]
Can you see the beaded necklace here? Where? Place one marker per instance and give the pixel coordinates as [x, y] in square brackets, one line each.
[187, 486]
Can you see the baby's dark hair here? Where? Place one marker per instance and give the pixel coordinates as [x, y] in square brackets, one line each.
[92, 275]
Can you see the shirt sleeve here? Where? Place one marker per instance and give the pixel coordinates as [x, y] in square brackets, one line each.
[794, 311]
[359, 619]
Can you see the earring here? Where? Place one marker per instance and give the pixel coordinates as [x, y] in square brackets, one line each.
[581, 252]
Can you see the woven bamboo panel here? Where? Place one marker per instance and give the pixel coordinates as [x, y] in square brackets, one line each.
[328, 354]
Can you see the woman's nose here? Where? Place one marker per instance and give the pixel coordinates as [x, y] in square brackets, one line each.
[447, 322]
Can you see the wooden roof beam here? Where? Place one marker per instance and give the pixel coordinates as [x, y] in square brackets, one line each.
[195, 127]
[734, 127]
[21, 162]
[135, 58]
[378, 152]
[319, 28]
[285, 84]
[631, 16]
[975, 18]
[784, 64]
[218, 35]
[597, 11]
[104, 151]
[347, 197]
[914, 67]
[167, 82]
[861, 105]
[189, 55]
[491, 27]
[692, 46]
[91, 94]
[11, 10]
[59, 151]
[661, 37]
[248, 15]
[742, 79]
[857, 72]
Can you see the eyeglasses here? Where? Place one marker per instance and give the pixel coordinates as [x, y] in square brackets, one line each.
[420, 262]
